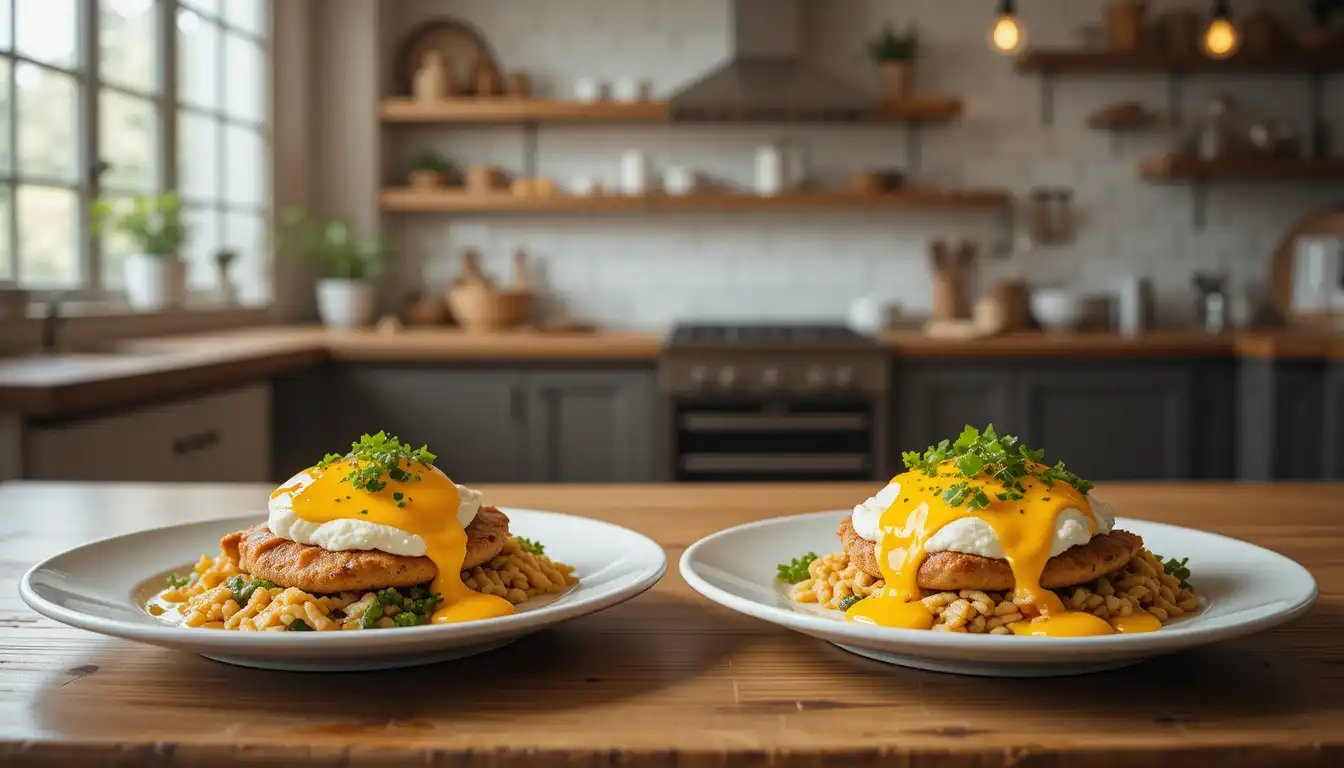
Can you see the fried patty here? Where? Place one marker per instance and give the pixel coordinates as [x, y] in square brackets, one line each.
[944, 571]
[313, 569]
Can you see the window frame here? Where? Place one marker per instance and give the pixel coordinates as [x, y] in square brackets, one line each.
[90, 166]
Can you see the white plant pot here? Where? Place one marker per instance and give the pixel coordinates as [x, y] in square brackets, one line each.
[344, 303]
[155, 282]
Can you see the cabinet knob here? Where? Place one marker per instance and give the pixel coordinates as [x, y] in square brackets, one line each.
[844, 376]
[727, 377]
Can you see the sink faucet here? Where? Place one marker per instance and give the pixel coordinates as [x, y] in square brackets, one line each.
[51, 320]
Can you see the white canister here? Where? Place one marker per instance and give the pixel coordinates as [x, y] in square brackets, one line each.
[584, 186]
[678, 180]
[589, 89]
[634, 173]
[866, 316]
[1133, 305]
[630, 89]
[1318, 274]
[769, 170]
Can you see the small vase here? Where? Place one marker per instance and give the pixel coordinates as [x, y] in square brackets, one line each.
[1124, 25]
[898, 79]
[155, 282]
[344, 304]
[425, 179]
[432, 81]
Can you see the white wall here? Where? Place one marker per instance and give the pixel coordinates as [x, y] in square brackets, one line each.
[648, 271]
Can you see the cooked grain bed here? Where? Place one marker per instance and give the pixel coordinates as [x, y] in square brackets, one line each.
[1142, 585]
[516, 574]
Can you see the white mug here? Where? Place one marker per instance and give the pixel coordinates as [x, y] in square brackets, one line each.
[678, 180]
[630, 89]
[589, 89]
[634, 173]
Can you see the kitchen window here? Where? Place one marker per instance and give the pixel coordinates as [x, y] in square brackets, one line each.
[122, 97]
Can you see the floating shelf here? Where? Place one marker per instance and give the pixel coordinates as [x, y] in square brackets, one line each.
[506, 110]
[1174, 168]
[403, 199]
[1101, 62]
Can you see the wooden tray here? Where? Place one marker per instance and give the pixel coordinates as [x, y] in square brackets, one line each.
[461, 45]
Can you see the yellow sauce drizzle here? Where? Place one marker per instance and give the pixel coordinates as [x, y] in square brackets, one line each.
[1025, 528]
[1142, 621]
[429, 511]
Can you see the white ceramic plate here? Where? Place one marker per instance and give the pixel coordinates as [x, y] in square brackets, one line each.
[103, 586]
[1244, 589]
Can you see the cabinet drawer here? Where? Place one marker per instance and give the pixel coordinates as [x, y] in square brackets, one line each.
[222, 437]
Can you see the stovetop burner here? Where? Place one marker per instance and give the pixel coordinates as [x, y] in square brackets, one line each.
[762, 334]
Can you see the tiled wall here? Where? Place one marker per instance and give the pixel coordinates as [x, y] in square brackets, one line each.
[631, 271]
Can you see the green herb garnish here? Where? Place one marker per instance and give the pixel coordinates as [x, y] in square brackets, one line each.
[535, 547]
[299, 625]
[242, 590]
[389, 596]
[406, 619]
[371, 616]
[796, 570]
[848, 601]
[1176, 568]
[424, 605]
[976, 456]
[374, 456]
[179, 581]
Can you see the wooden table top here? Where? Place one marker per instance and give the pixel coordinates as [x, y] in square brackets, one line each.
[669, 678]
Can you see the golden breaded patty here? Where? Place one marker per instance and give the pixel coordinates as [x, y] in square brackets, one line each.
[943, 571]
[313, 569]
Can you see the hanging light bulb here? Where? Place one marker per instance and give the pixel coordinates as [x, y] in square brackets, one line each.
[1221, 39]
[1007, 36]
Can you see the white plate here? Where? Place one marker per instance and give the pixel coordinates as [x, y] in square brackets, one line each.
[103, 586]
[1245, 589]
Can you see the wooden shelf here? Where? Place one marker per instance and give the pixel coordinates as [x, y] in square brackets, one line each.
[505, 110]
[1101, 62]
[1174, 168]
[403, 199]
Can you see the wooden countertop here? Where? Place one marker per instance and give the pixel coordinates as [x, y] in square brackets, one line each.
[1071, 345]
[669, 678]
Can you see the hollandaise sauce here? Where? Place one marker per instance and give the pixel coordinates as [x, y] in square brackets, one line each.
[1023, 518]
[424, 505]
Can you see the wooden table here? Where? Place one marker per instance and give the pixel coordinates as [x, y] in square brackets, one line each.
[669, 678]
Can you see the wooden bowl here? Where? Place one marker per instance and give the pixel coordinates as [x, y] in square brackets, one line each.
[481, 309]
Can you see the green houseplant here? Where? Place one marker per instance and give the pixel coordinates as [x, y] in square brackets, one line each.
[349, 261]
[155, 274]
[895, 55]
[432, 170]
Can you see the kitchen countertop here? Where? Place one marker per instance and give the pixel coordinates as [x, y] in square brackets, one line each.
[137, 371]
[668, 678]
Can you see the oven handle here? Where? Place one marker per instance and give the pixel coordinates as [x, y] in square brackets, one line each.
[764, 422]
[777, 462]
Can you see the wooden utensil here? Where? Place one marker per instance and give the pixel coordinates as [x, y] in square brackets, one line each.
[1125, 29]
[522, 271]
[950, 270]
[471, 272]
[1014, 303]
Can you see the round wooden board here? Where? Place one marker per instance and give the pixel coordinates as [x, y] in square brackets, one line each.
[461, 45]
[1327, 222]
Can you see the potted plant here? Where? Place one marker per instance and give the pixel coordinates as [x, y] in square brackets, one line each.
[432, 170]
[155, 274]
[894, 54]
[349, 261]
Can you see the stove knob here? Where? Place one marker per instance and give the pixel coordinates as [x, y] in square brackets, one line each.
[699, 376]
[816, 377]
[844, 376]
[770, 378]
[727, 377]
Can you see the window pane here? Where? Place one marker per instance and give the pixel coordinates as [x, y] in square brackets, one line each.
[197, 61]
[202, 242]
[6, 261]
[48, 148]
[116, 247]
[199, 144]
[46, 30]
[5, 159]
[126, 140]
[245, 164]
[243, 60]
[246, 234]
[127, 43]
[208, 6]
[48, 236]
[6, 36]
[247, 15]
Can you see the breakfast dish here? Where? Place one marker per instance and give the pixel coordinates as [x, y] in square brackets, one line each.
[980, 535]
[375, 538]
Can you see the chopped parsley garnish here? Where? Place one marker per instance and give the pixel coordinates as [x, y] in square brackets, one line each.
[242, 590]
[796, 570]
[406, 619]
[1176, 568]
[848, 601]
[535, 547]
[375, 457]
[371, 616]
[179, 581]
[389, 596]
[977, 455]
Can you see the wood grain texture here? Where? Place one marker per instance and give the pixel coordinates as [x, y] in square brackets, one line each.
[1062, 344]
[669, 678]
[506, 110]
[408, 200]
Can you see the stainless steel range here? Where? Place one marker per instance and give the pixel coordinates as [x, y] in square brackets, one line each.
[775, 402]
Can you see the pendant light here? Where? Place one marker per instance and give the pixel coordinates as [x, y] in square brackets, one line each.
[1007, 36]
[1221, 39]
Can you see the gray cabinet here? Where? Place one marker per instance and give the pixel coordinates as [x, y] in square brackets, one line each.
[590, 426]
[934, 401]
[1334, 422]
[1281, 414]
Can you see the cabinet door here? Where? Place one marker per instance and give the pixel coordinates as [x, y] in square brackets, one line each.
[1111, 422]
[1334, 422]
[591, 426]
[471, 418]
[935, 401]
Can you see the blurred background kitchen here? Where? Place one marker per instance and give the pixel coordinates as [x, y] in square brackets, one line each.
[647, 240]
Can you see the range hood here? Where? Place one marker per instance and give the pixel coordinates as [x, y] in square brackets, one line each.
[766, 78]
